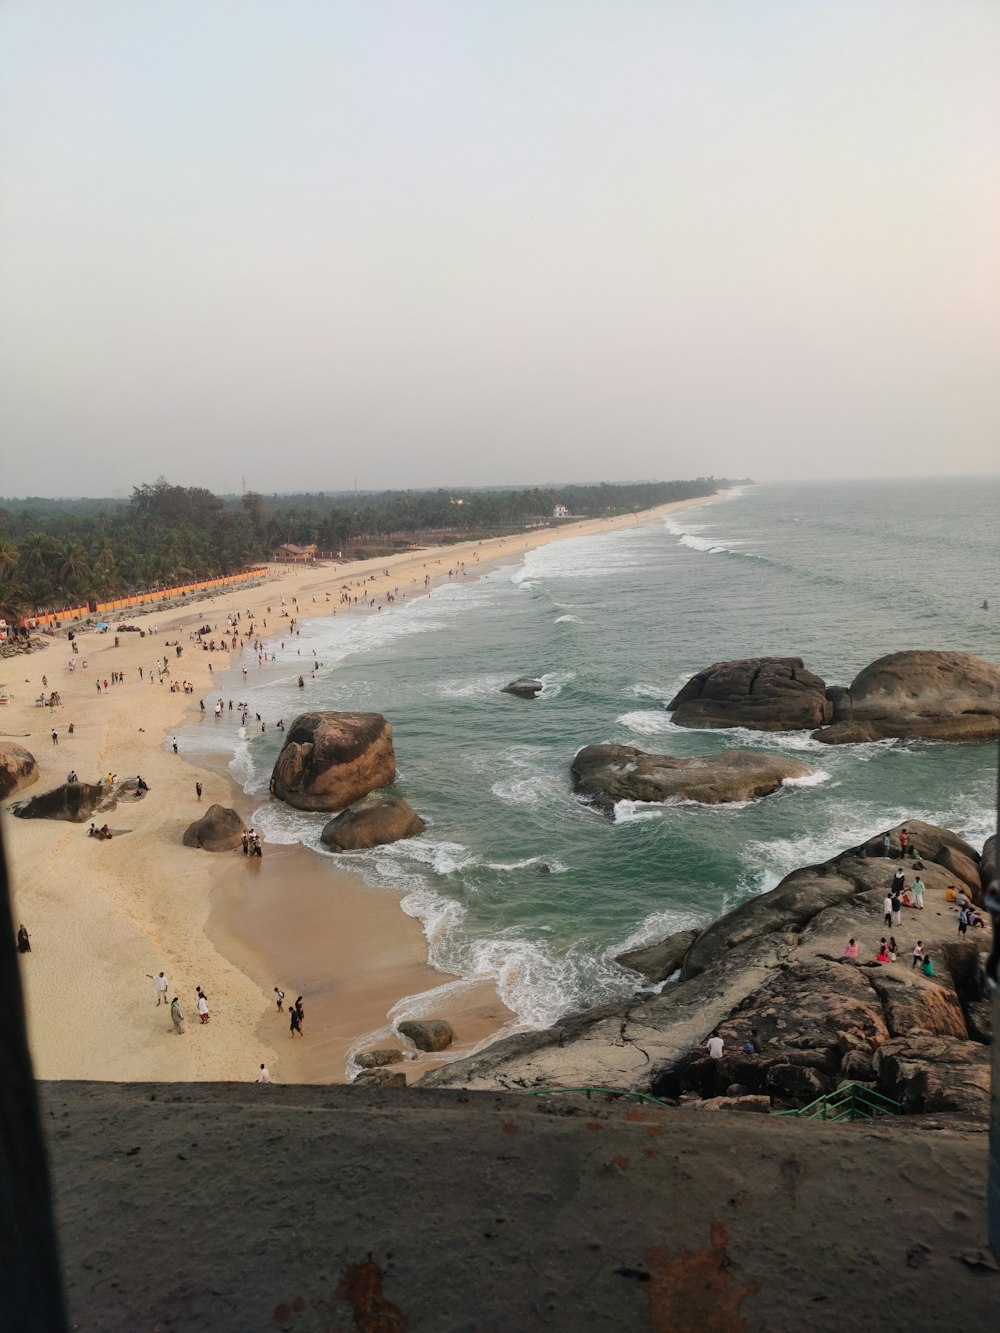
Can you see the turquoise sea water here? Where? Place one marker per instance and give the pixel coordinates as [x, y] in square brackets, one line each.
[837, 573]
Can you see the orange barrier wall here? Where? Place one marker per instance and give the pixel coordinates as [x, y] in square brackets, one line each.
[145, 598]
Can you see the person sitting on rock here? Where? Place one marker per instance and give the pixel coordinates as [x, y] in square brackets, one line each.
[883, 952]
[851, 948]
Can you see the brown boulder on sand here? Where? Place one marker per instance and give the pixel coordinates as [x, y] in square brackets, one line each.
[17, 768]
[428, 1034]
[220, 829]
[610, 773]
[938, 696]
[765, 693]
[331, 760]
[372, 825]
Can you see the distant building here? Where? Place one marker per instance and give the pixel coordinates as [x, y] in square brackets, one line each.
[292, 554]
[560, 511]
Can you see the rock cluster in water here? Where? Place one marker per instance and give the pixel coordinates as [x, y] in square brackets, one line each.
[924, 695]
[372, 825]
[776, 965]
[609, 773]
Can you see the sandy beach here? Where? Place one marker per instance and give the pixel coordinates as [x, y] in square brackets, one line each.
[106, 916]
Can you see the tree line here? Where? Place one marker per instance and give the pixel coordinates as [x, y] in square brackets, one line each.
[57, 552]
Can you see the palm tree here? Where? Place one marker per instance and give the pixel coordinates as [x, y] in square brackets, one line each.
[9, 557]
[75, 565]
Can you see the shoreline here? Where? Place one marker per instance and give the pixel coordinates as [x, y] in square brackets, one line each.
[105, 917]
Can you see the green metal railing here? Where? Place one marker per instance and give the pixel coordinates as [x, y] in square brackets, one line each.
[610, 1092]
[851, 1101]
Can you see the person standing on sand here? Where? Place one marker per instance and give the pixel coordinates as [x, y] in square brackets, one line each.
[176, 1017]
[300, 1010]
[161, 988]
[280, 994]
[295, 1024]
[198, 790]
[264, 1076]
[55, 736]
[202, 1005]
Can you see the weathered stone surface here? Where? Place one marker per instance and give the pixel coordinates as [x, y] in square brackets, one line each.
[372, 825]
[18, 768]
[912, 1003]
[752, 1103]
[610, 773]
[988, 862]
[797, 899]
[525, 687]
[926, 695]
[330, 760]
[796, 1085]
[75, 801]
[765, 693]
[926, 1074]
[376, 1059]
[428, 1034]
[220, 829]
[656, 962]
[380, 1078]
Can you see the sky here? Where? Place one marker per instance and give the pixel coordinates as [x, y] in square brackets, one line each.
[313, 244]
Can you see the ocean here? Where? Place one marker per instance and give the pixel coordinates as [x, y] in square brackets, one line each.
[516, 879]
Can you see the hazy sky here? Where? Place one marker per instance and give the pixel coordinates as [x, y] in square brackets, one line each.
[423, 242]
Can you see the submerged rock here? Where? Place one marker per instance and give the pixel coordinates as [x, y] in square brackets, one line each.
[220, 829]
[610, 773]
[18, 768]
[372, 825]
[765, 693]
[525, 687]
[330, 760]
[919, 695]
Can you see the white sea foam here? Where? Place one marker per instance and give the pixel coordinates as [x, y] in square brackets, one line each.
[553, 683]
[567, 619]
[533, 791]
[642, 690]
[815, 779]
[657, 926]
[637, 812]
[471, 687]
[552, 865]
[646, 723]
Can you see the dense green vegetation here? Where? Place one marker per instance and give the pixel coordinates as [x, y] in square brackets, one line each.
[56, 552]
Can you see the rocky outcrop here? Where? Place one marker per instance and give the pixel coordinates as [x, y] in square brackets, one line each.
[988, 863]
[220, 829]
[18, 768]
[428, 1034]
[331, 760]
[771, 974]
[609, 773]
[658, 961]
[765, 693]
[372, 825]
[931, 1073]
[376, 1059]
[941, 696]
[75, 801]
[525, 687]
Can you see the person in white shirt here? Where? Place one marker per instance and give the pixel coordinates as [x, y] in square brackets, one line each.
[161, 987]
[263, 1076]
[714, 1045]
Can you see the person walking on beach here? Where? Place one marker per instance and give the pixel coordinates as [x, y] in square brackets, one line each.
[280, 996]
[198, 790]
[161, 988]
[295, 1023]
[23, 940]
[55, 736]
[300, 1010]
[202, 1006]
[176, 1017]
[264, 1076]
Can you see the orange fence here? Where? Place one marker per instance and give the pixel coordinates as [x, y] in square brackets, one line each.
[144, 598]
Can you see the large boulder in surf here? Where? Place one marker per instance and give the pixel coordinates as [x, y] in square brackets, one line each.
[610, 773]
[220, 829]
[763, 693]
[525, 687]
[18, 768]
[75, 801]
[330, 760]
[428, 1034]
[372, 825]
[919, 695]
